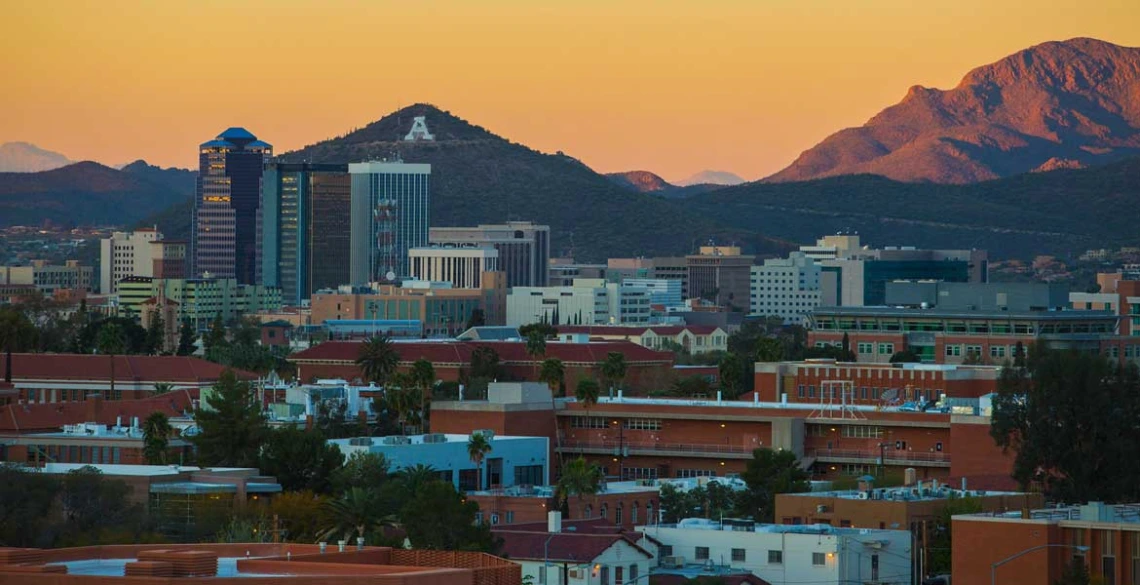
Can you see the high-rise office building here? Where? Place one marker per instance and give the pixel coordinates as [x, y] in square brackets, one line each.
[524, 248]
[722, 275]
[305, 228]
[390, 209]
[225, 234]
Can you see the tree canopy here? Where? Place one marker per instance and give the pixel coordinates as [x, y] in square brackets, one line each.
[769, 473]
[377, 359]
[230, 424]
[1072, 419]
[300, 459]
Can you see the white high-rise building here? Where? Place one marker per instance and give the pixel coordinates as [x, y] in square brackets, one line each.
[390, 211]
[462, 266]
[126, 254]
[788, 288]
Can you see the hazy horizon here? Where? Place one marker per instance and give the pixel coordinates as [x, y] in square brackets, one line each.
[668, 87]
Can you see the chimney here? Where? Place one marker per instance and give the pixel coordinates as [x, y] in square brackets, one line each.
[554, 521]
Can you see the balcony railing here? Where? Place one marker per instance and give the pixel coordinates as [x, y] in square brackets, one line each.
[655, 446]
[889, 455]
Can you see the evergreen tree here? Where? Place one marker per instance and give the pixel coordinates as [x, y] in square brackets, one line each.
[186, 338]
[230, 424]
[216, 336]
[769, 473]
[300, 459]
[156, 334]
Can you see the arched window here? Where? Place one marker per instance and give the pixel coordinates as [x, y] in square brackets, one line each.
[649, 517]
[605, 510]
[633, 514]
[617, 514]
[589, 511]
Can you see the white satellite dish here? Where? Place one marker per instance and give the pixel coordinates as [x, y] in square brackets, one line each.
[390, 276]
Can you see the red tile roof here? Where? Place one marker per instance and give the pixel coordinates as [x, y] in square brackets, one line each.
[130, 368]
[509, 351]
[609, 330]
[41, 417]
[563, 547]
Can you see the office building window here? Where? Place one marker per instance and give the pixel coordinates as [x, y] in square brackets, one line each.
[865, 347]
[701, 553]
[738, 555]
[997, 351]
[818, 559]
[953, 350]
[886, 349]
[775, 557]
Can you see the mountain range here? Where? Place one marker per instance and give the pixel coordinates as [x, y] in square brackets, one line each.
[653, 184]
[89, 193]
[24, 157]
[1056, 105]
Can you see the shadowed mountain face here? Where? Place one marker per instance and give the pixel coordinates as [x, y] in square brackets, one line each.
[1055, 105]
[478, 177]
[89, 193]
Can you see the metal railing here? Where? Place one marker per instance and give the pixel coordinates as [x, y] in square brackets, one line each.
[696, 448]
[888, 455]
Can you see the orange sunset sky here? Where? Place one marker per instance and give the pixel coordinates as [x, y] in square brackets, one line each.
[668, 86]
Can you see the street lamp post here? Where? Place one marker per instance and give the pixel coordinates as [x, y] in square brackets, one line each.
[994, 567]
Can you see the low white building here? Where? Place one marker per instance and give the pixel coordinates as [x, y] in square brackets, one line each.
[818, 554]
[564, 557]
[589, 301]
[462, 266]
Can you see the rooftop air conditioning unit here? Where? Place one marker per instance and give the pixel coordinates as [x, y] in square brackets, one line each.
[577, 573]
[360, 442]
[397, 440]
[435, 438]
[673, 562]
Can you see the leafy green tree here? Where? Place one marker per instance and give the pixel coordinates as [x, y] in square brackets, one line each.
[614, 369]
[1075, 573]
[186, 338]
[535, 348]
[301, 514]
[768, 349]
[769, 473]
[1070, 418]
[90, 501]
[300, 459]
[378, 359]
[478, 446]
[545, 330]
[485, 363]
[156, 438]
[216, 336]
[941, 543]
[16, 334]
[579, 478]
[111, 343]
[401, 398]
[690, 386]
[732, 372]
[677, 504]
[230, 424]
[416, 476]
[26, 501]
[362, 469]
[553, 374]
[359, 512]
[906, 356]
[439, 518]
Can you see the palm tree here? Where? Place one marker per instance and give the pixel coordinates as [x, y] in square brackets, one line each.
[477, 448]
[554, 374]
[156, 437]
[399, 393]
[535, 347]
[162, 388]
[111, 342]
[417, 476]
[587, 393]
[613, 369]
[378, 359]
[424, 375]
[579, 478]
[358, 510]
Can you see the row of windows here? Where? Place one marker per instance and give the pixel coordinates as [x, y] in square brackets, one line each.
[589, 422]
[872, 393]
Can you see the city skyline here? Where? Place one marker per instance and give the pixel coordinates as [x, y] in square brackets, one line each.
[673, 89]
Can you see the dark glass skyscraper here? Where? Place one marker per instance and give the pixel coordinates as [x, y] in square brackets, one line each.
[304, 228]
[226, 209]
[390, 210]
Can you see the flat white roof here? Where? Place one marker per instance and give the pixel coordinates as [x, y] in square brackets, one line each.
[133, 470]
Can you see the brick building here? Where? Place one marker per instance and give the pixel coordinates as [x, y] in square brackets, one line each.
[42, 378]
[619, 505]
[645, 368]
[1033, 546]
[651, 438]
[810, 381]
[253, 564]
